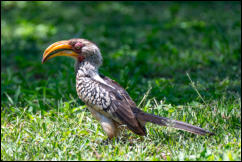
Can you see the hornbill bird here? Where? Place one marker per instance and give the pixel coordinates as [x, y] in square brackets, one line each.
[108, 102]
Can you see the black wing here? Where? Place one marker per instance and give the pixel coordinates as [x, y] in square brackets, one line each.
[121, 106]
[120, 90]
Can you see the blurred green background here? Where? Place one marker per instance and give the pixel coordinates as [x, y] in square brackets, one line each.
[144, 45]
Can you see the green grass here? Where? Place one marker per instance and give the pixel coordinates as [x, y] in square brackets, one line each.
[182, 60]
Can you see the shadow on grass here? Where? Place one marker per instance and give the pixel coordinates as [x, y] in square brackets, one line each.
[143, 45]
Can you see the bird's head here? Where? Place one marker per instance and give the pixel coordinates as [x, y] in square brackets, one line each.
[80, 49]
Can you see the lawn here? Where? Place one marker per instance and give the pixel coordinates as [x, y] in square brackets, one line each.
[180, 60]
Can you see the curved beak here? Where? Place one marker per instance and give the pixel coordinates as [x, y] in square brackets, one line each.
[61, 48]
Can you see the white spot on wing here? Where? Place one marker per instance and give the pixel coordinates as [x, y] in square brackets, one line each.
[98, 78]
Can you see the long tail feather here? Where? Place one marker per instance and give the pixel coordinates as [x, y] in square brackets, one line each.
[163, 121]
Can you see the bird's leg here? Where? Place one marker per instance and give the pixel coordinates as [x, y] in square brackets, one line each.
[110, 127]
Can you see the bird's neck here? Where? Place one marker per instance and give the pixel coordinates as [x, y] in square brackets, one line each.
[86, 68]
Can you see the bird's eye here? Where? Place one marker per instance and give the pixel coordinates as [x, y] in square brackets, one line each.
[78, 46]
